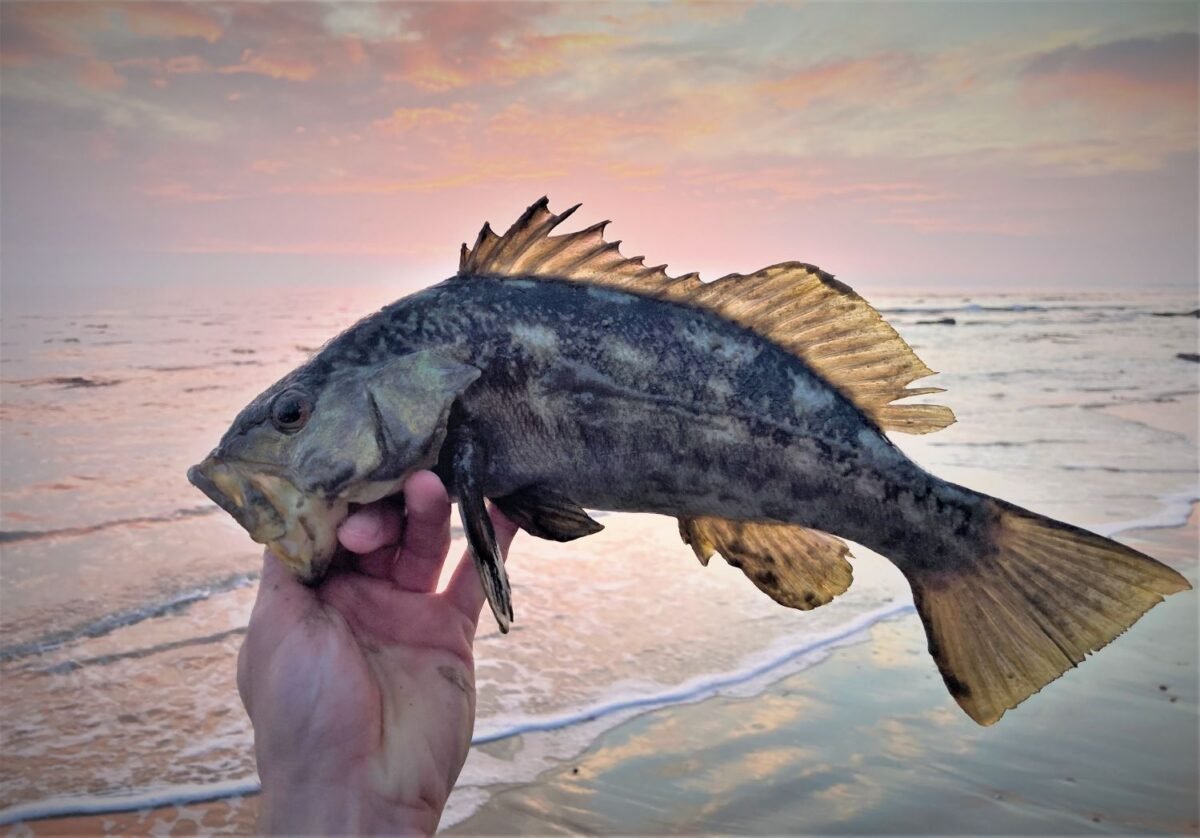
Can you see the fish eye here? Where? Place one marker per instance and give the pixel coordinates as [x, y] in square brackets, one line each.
[290, 411]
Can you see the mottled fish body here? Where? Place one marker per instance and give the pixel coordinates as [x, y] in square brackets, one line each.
[552, 375]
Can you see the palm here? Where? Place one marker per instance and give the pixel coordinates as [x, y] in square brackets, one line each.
[368, 679]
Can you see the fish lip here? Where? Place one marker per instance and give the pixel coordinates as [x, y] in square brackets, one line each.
[198, 478]
[274, 511]
[248, 509]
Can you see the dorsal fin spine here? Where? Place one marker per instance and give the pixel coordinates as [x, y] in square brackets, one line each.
[797, 306]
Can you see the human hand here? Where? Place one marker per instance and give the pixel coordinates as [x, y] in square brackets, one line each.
[361, 690]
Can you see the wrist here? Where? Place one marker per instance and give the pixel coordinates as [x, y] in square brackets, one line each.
[345, 807]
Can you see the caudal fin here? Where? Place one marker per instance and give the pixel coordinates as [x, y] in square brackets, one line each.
[1031, 605]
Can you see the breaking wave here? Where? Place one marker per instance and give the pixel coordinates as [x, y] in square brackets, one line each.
[121, 619]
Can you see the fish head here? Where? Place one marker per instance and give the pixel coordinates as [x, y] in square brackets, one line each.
[321, 439]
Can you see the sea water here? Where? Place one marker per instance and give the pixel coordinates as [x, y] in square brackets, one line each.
[124, 593]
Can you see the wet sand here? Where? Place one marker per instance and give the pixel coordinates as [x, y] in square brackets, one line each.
[870, 742]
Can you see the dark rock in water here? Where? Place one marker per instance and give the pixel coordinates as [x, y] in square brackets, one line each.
[945, 321]
[1188, 356]
[1193, 313]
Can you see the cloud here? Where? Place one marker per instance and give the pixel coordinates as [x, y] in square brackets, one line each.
[32, 33]
[425, 67]
[441, 47]
[46, 31]
[1129, 73]
[173, 20]
[99, 75]
[187, 64]
[861, 79]
[288, 63]
[404, 120]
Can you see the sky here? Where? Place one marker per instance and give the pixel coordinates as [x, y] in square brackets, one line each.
[981, 147]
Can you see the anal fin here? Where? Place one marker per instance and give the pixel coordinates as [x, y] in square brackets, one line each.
[542, 512]
[795, 566]
[466, 463]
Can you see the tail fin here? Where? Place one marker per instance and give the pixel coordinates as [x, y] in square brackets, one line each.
[1023, 612]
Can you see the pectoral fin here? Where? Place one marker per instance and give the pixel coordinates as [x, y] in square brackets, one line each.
[795, 566]
[410, 400]
[547, 514]
[467, 465]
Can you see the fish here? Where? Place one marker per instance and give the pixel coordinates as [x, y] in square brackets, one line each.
[551, 375]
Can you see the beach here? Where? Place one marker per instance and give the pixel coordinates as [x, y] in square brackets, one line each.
[868, 742]
[638, 692]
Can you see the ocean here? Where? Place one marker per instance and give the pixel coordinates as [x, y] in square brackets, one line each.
[124, 593]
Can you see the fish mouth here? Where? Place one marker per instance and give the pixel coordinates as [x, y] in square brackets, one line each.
[230, 491]
[273, 511]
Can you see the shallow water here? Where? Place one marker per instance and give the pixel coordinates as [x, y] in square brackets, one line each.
[125, 593]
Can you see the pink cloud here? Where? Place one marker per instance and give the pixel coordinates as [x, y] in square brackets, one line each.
[34, 32]
[187, 64]
[99, 75]
[173, 20]
[850, 79]
[286, 63]
[403, 120]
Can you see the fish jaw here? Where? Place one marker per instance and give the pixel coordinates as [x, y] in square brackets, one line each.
[299, 529]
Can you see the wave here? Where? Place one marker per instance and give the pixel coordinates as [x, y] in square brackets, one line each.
[697, 688]
[1175, 511]
[1006, 443]
[120, 619]
[1011, 308]
[68, 382]
[80, 805]
[617, 709]
[10, 536]
[976, 308]
[76, 664]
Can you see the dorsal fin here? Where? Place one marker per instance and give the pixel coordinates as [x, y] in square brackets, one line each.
[798, 307]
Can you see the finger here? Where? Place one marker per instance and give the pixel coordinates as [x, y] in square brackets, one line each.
[378, 564]
[373, 532]
[426, 538]
[465, 590]
[373, 526]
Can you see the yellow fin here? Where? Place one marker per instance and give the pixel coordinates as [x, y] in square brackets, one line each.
[1030, 606]
[796, 567]
[798, 307]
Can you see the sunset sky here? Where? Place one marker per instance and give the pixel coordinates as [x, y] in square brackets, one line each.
[986, 147]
